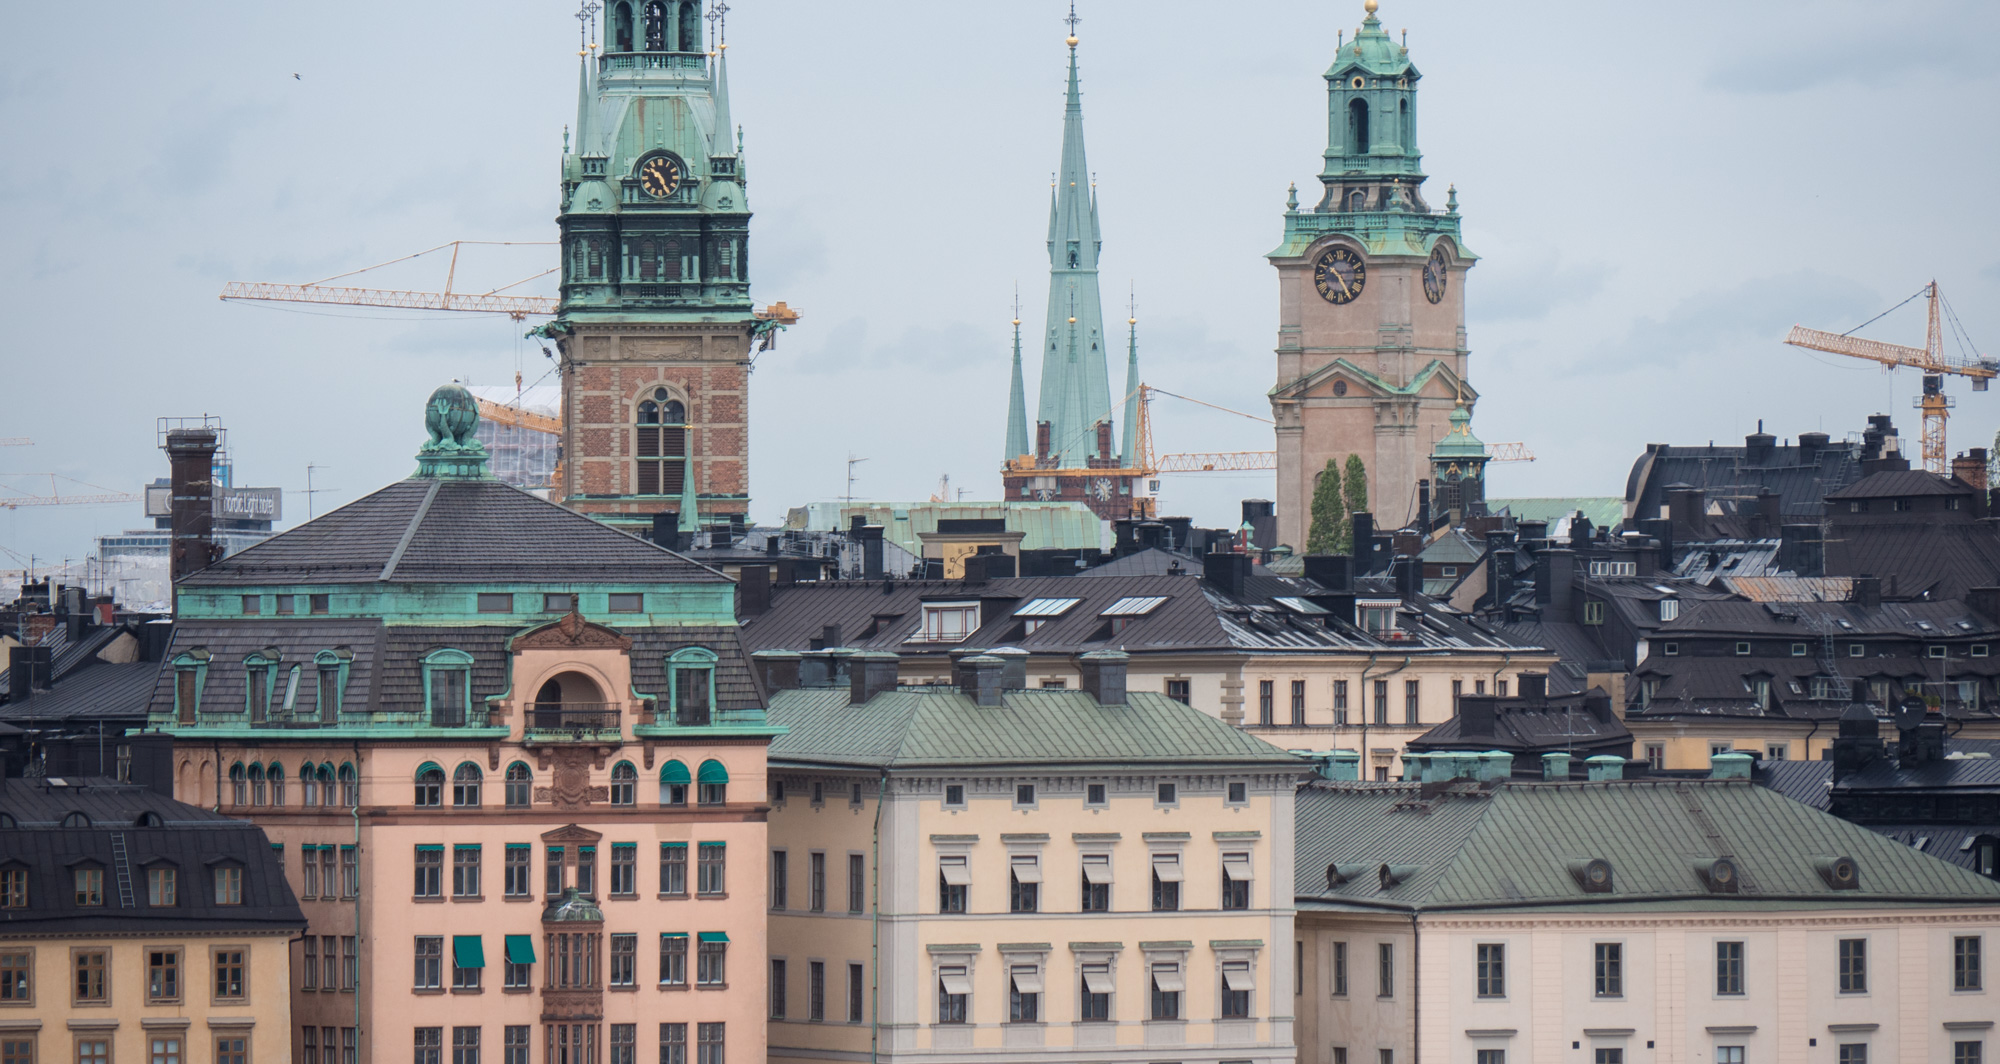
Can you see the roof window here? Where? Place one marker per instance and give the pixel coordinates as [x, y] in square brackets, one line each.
[1299, 605]
[1046, 607]
[1134, 606]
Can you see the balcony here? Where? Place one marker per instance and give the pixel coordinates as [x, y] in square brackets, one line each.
[575, 722]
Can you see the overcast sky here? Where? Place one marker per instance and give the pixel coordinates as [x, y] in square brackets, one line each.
[1656, 191]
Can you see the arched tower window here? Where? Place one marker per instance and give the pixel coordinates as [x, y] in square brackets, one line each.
[350, 785]
[1403, 131]
[624, 783]
[308, 785]
[691, 26]
[621, 26]
[1357, 126]
[662, 445]
[239, 791]
[656, 25]
[277, 777]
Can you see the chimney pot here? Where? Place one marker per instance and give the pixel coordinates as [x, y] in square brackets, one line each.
[1605, 767]
[979, 679]
[779, 669]
[1104, 675]
[1555, 767]
[870, 673]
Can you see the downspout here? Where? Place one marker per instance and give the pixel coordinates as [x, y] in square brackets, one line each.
[1362, 764]
[1809, 737]
[875, 928]
[1505, 660]
[355, 811]
[1416, 994]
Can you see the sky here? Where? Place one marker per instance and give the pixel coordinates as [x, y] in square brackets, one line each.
[1656, 192]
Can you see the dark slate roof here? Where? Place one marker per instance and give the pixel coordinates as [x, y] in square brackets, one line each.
[914, 727]
[1901, 483]
[1524, 727]
[1508, 844]
[439, 531]
[191, 839]
[296, 640]
[68, 655]
[1809, 783]
[1149, 562]
[1940, 559]
[1729, 480]
[1842, 620]
[101, 692]
[1959, 774]
[1955, 843]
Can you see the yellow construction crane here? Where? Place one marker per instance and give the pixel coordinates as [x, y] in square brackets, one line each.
[1245, 461]
[1930, 359]
[13, 498]
[495, 301]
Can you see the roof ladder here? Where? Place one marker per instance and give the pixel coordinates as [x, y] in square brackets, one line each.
[124, 866]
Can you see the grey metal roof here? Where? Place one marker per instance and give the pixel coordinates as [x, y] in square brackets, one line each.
[1809, 783]
[1901, 483]
[103, 691]
[1510, 844]
[452, 531]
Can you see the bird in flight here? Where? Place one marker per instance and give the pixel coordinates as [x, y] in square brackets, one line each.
[295, 77]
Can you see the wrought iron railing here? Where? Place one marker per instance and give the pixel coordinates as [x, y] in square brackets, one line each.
[578, 720]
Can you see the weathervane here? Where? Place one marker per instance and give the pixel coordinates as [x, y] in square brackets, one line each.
[1072, 20]
[586, 11]
[718, 25]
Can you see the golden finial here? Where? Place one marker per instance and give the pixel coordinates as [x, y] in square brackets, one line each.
[1369, 6]
[1072, 321]
[1072, 20]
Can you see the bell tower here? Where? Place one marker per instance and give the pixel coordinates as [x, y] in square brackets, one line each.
[1371, 312]
[655, 323]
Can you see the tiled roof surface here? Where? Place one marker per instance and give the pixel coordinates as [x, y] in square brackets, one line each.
[464, 531]
[1901, 483]
[103, 691]
[1520, 728]
[1940, 558]
[1510, 844]
[229, 642]
[913, 727]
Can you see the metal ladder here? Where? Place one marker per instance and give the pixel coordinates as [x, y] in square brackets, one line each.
[124, 866]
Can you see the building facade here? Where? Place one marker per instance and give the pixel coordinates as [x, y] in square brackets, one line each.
[964, 873]
[137, 928]
[655, 326]
[1372, 350]
[515, 760]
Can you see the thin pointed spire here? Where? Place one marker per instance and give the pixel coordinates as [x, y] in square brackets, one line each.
[586, 103]
[1017, 396]
[1127, 453]
[718, 141]
[1076, 382]
[690, 519]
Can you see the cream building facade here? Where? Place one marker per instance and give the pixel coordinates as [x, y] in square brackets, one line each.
[964, 872]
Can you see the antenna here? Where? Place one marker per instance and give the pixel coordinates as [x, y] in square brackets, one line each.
[851, 463]
[312, 491]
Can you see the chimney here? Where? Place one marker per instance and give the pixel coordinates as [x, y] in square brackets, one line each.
[1424, 505]
[1014, 673]
[1407, 542]
[1984, 601]
[871, 552]
[1226, 572]
[191, 458]
[1605, 767]
[1729, 765]
[1759, 446]
[778, 669]
[29, 669]
[1810, 445]
[1555, 578]
[979, 679]
[772, 544]
[153, 639]
[1858, 742]
[1476, 716]
[1801, 549]
[1104, 675]
[1533, 686]
[997, 566]
[753, 590]
[830, 636]
[667, 529]
[1041, 439]
[1499, 567]
[1555, 767]
[972, 569]
[1334, 572]
[1971, 468]
[870, 673]
[1409, 578]
[1364, 542]
[1867, 592]
[1687, 507]
[1768, 517]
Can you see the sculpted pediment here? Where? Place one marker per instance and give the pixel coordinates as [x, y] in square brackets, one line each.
[572, 632]
[571, 833]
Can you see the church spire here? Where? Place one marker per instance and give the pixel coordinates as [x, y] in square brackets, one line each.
[586, 102]
[1075, 388]
[722, 140]
[1127, 451]
[1017, 398]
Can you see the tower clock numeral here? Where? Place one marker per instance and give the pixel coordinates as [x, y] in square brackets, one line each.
[1339, 275]
[1435, 275]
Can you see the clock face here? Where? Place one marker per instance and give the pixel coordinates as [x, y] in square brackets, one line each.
[1102, 488]
[1434, 276]
[1339, 275]
[660, 177]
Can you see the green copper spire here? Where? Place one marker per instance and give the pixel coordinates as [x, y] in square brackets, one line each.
[1372, 119]
[1126, 450]
[452, 452]
[1459, 442]
[1076, 381]
[720, 139]
[1017, 399]
[586, 102]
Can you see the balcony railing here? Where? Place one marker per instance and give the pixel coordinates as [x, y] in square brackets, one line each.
[574, 721]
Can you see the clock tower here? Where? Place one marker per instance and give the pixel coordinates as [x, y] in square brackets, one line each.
[655, 324]
[1371, 306]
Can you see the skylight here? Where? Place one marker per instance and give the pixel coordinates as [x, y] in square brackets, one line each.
[1299, 605]
[1134, 606]
[1046, 607]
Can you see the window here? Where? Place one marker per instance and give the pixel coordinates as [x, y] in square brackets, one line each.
[468, 960]
[515, 877]
[229, 1048]
[1669, 609]
[624, 960]
[1265, 698]
[778, 988]
[1096, 883]
[816, 991]
[309, 971]
[429, 969]
[16, 977]
[465, 870]
[1776, 751]
[949, 622]
[624, 868]
[1168, 985]
[447, 687]
[430, 1041]
[586, 870]
[430, 785]
[1609, 959]
[1236, 878]
[1410, 711]
[780, 876]
[1340, 969]
[239, 790]
[513, 1045]
[1385, 969]
[1608, 1055]
[1593, 612]
[953, 879]
[709, 868]
[1237, 983]
[1742, 650]
[673, 959]
[350, 796]
[572, 960]
[1729, 968]
[89, 883]
[1853, 965]
[673, 868]
[228, 964]
[673, 1043]
[857, 992]
[1492, 1056]
[558, 603]
[163, 975]
[1381, 701]
[253, 604]
[624, 784]
[500, 603]
[1180, 691]
[93, 1051]
[1166, 794]
[1491, 970]
[1166, 882]
[465, 1045]
[350, 962]
[517, 961]
[229, 885]
[350, 871]
[1728, 1055]
[430, 871]
[711, 949]
[674, 782]
[1024, 994]
[1024, 890]
[954, 795]
[1854, 1053]
[90, 985]
[857, 882]
[1298, 703]
[1656, 756]
[1967, 1052]
[1965, 970]
[1340, 701]
[627, 602]
[816, 882]
[1097, 988]
[1024, 795]
[519, 786]
[711, 783]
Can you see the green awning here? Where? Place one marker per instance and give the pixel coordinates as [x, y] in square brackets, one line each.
[464, 845]
[673, 846]
[428, 766]
[674, 772]
[430, 847]
[467, 952]
[713, 772]
[673, 934]
[520, 949]
[714, 845]
[518, 846]
[713, 936]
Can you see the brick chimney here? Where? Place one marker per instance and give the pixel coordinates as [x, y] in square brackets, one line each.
[191, 457]
[1104, 675]
[870, 673]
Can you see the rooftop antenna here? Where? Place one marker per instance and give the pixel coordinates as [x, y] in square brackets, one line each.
[312, 491]
[851, 463]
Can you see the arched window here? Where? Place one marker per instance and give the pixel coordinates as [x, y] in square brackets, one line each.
[661, 445]
[350, 785]
[656, 25]
[190, 673]
[674, 780]
[465, 784]
[520, 785]
[621, 26]
[1357, 127]
[75, 819]
[326, 792]
[1403, 131]
[256, 785]
[308, 785]
[332, 666]
[277, 776]
[624, 783]
[430, 784]
[712, 783]
[148, 819]
[448, 687]
[691, 685]
[239, 791]
[691, 27]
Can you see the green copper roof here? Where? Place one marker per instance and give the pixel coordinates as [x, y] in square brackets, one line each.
[1459, 442]
[1017, 402]
[451, 416]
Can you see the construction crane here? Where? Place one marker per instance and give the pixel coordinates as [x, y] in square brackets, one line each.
[16, 441]
[13, 498]
[1245, 461]
[1930, 359]
[495, 301]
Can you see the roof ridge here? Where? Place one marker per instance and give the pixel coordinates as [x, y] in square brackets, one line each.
[410, 530]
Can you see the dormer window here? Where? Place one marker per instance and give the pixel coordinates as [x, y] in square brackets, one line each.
[1669, 609]
[691, 685]
[447, 687]
[259, 677]
[332, 668]
[228, 884]
[949, 622]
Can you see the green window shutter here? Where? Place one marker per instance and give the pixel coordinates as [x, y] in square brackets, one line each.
[520, 949]
[674, 772]
[713, 936]
[467, 951]
[673, 934]
[713, 772]
[430, 847]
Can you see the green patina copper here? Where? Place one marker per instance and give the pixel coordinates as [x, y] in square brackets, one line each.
[458, 604]
[1459, 442]
[452, 453]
